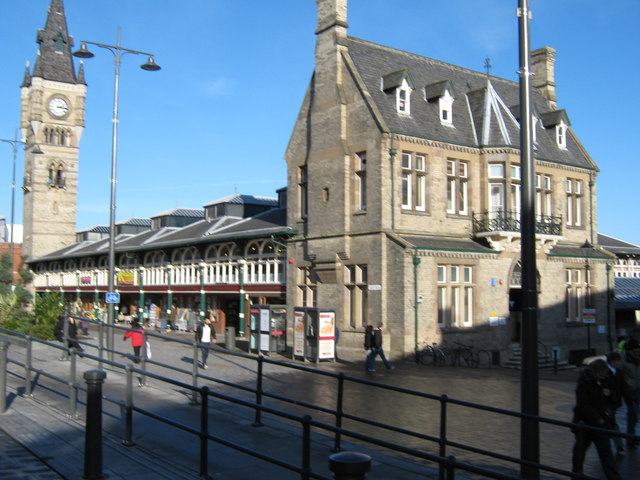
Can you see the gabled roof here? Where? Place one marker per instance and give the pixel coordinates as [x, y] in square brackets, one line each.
[394, 79]
[438, 89]
[551, 119]
[481, 118]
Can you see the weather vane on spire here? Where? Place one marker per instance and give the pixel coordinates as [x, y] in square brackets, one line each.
[488, 65]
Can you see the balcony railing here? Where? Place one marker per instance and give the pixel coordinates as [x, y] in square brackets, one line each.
[509, 221]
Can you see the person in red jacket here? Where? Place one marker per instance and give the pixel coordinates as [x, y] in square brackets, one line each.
[137, 339]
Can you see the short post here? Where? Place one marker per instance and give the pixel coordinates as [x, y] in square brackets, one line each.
[93, 432]
[4, 347]
[349, 465]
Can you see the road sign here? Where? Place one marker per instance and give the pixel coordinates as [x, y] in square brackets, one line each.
[112, 298]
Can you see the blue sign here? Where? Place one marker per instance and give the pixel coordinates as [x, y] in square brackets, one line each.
[112, 298]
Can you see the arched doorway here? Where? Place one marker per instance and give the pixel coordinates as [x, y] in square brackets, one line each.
[515, 300]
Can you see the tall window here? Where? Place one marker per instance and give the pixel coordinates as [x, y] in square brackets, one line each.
[403, 95]
[446, 108]
[307, 287]
[573, 190]
[497, 201]
[360, 170]
[302, 190]
[455, 296]
[561, 135]
[543, 197]
[457, 187]
[414, 181]
[357, 293]
[56, 176]
[514, 189]
[575, 298]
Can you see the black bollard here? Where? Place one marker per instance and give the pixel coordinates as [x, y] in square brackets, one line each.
[93, 432]
[4, 346]
[349, 465]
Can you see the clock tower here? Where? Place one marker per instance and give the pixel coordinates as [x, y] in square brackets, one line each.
[52, 116]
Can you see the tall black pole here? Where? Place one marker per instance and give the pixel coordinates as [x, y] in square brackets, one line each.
[529, 430]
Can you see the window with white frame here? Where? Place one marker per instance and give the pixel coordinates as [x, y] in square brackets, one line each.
[307, 287]
[575, 199]
[445, 104]
[357, 295]
[414, 181]
[455, 292]
[403, 98]
[514, 189]
[360, 174]
[544, 198]
[561, 135]
[575, 298]
[457, 187]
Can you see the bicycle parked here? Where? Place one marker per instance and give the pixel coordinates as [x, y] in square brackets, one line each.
[465, 356]
[432, 355]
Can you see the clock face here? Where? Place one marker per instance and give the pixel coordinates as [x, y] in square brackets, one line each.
[58, 107]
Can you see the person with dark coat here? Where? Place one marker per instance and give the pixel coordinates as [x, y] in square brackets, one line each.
[616, 385]
[376, 349]
[631, 371]
[592, 409]
[137, 339]
[72, 334]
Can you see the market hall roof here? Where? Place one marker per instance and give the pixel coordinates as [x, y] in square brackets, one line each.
[483, 110]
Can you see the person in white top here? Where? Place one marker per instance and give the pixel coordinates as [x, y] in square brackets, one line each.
[205, 336]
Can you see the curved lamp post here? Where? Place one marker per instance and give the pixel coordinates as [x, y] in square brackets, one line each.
[14, 146]
[118, 51]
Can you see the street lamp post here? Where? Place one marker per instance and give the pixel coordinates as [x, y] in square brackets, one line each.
[586, 249]
[118, 51]
[14, 146]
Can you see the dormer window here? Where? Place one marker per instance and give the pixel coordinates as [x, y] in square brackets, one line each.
[561, 135]
[559, 120]
[442, 92]
[400, 84]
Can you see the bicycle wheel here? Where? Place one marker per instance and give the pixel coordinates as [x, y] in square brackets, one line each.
[470, 360]
[427, 357]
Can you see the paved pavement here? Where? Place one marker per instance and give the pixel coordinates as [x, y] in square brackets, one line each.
[40, 440]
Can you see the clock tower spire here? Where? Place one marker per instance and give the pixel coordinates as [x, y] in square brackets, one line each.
[52, 116]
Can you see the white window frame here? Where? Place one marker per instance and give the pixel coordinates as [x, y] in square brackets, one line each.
[561, 135]
[414, 181]
[455, 296]
[457, 187]
[445, 104]
[403, 98]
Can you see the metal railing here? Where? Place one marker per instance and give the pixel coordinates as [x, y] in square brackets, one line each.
[447, 463]
[509, 221]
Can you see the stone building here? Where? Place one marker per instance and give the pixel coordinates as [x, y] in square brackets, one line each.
[404, 187]
[52, 116]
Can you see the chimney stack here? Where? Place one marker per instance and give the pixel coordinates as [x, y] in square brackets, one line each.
[543, 80]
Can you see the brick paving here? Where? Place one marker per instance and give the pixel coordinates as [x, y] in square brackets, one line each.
[44, 442]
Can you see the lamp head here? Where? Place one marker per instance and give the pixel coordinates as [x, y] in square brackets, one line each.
[151, 65]
[83, 52]
[36, 150]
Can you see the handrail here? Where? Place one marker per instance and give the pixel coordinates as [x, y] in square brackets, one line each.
[338, 412]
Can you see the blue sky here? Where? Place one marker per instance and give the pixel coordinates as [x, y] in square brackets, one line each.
[217, 118]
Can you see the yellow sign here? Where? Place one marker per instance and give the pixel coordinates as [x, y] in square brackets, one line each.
[125, 278]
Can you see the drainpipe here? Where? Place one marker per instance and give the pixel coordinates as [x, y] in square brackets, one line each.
[591, 185]
[392, 156]
[241, 323]
[416, 262]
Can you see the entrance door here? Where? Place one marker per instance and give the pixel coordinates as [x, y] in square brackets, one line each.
[515, 313]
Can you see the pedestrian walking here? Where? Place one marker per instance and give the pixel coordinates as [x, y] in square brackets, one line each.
[373, 338]
[71, 336]
[592, 403]
[617, 388]
[137, 339]
[631, 371]
[205, 336]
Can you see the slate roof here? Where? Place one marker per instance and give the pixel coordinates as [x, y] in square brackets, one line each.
[627, 293]
[482, 112]
[95, 229]
[54, 60]
[136, 222]
[271, 222]
[449, 244]
[181, 212]
[616, 246]
[245, 199]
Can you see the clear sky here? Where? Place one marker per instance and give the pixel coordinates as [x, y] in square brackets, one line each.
[217, 118]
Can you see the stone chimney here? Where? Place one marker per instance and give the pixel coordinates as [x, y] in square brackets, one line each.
[543, 80]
